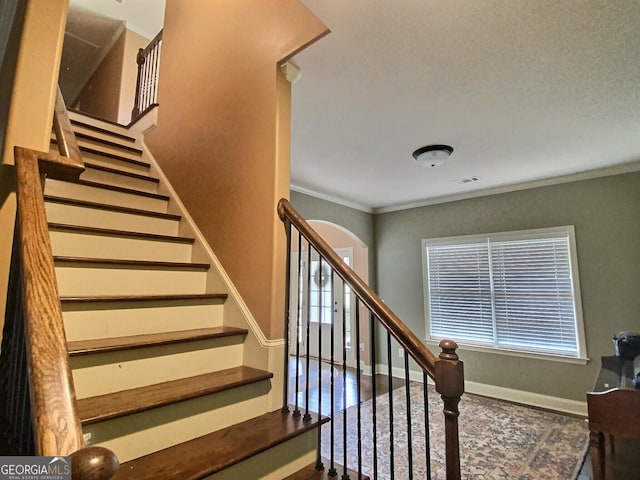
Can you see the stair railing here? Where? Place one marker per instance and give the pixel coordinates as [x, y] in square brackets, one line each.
[307, 320]
[148, 60]
[39, 414]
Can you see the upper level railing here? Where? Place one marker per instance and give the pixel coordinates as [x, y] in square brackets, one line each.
[39, 414]
[147, 84]
[318, 332]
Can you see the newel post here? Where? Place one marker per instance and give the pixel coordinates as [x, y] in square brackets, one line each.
[450, 385]
[140, 60]
[93, 463]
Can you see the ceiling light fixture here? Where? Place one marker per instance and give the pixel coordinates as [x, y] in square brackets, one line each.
[432, 155]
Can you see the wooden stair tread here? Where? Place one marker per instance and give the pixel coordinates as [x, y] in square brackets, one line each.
[124, 173]
[133, 263]
[126, 402]
[113, 208]
[216, 451]
[113, 344]
[119, 233]
[92, 138]
[104, 131]
[144, 298]
[116, 188]
[310, 473]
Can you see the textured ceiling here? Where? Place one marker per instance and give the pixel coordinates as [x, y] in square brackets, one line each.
[525, 91]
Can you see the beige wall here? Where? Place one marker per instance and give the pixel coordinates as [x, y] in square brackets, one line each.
[100, 96]
[223, 132]
[132, 42]
[31, 110]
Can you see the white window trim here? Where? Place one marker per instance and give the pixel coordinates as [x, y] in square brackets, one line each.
[581, 357]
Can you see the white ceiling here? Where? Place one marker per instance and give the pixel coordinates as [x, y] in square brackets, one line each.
[145, 17]
[525, 91]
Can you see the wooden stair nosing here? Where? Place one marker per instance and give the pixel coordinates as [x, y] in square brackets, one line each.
[117, 344]
[311, 473]
[92, 138]
[113, 208]
[104, 131]
[143, 298]
[211, 453]
[133, 161]
[119, 233]
[132, 263]
[124, 173]
[135, 400]
[116, 188]
[96, 117]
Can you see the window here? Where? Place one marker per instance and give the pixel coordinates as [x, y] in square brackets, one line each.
[514, 291]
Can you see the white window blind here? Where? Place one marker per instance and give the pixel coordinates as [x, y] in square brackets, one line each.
[512, 291]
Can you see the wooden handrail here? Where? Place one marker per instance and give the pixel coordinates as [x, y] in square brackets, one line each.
[446, 370]
[56, 422]
[65, 137]
[403, 335]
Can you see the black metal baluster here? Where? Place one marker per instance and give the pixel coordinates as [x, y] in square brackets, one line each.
[307, 416]
[332, 467]
[390, 380]
[427, 440]
[358, 409]
[374, 412]
[296, 410]
[408, 400]
[287, 320]
[345, 475]
[319, 464]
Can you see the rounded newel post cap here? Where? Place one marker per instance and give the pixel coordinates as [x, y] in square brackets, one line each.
[94, 463]
[448, 350]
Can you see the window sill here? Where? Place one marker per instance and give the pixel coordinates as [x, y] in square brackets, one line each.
[515, 353]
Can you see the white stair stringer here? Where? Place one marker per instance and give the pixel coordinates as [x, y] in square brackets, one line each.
[135, 307]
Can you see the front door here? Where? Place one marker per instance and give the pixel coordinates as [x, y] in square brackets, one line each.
[319, 311]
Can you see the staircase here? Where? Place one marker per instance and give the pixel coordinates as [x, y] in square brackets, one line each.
[161, 358]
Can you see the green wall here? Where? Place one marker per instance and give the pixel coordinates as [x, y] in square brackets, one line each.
[606, 215]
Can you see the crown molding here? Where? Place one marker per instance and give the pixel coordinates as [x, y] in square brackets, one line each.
[574, 177]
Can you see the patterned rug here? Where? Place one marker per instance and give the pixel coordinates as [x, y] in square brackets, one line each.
[498, 440]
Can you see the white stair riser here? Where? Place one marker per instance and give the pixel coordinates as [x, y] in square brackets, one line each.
[95, 175]
[276, 463]
[147, 432]
[92, 217]
[108, 149]
[76, 280]
[66, 243]
[100, 195]
[98, 123]
[115, 163]
[103, 136]
[100, 373]
[123, 319]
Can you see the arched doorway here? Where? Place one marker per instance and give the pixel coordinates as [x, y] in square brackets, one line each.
[354, 252]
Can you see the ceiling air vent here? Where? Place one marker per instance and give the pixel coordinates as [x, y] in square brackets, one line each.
[464, 181]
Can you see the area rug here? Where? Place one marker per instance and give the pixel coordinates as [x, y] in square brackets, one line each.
[498, 440]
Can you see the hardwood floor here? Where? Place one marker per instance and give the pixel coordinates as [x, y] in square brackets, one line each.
[345, 391]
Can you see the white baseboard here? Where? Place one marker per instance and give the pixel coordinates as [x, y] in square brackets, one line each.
[563, 405]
